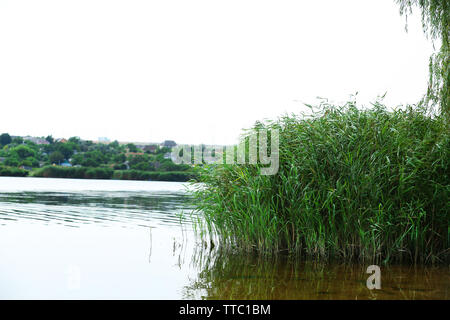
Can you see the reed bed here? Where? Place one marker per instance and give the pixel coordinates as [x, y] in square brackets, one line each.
[353, 184]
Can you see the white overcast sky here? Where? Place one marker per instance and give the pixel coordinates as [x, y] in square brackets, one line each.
[196, 71]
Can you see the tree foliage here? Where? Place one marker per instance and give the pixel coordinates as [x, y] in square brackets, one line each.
[90, 160]
[435, 23]
[50, 139]
[23, 151]
[5, 139]
[132, 147]
[56, 157]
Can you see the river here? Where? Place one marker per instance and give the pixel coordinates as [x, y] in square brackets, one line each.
[111, 239]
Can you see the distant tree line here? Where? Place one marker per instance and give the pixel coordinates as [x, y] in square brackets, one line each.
[76, 158]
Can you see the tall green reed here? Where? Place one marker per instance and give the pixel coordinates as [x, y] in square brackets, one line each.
[355, 184]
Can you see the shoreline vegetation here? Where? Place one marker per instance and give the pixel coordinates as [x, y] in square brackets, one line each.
[84, 159]
[105, 173]
[98, 173]
[353, 184]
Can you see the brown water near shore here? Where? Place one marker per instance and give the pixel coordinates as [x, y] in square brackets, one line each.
[237, 276]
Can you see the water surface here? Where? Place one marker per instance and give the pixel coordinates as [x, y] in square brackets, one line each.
[107, 239]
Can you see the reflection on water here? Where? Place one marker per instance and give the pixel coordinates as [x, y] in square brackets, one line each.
[78, 208]
[228, 275]
[127, 241]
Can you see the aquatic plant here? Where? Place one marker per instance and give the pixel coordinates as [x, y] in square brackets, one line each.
[108, 173]
[12, 172]
[353, 183]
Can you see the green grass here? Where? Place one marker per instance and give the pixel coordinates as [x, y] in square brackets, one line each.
[180, 176]
[73, 172]
[12, 172]
[353, 184]
[108, 173]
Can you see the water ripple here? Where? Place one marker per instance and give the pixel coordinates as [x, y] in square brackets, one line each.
[124, 208]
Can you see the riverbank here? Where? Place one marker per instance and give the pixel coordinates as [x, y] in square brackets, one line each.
[98, 173]
[12, 172]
